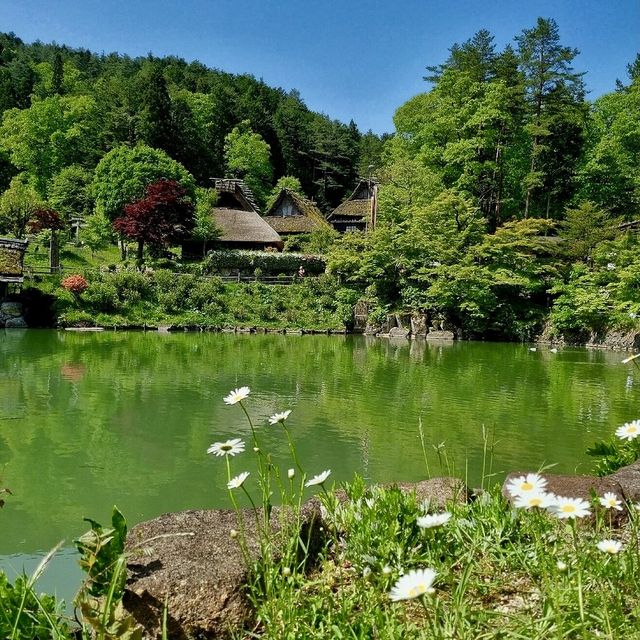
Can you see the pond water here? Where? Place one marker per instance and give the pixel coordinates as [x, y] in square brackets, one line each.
[92, 419]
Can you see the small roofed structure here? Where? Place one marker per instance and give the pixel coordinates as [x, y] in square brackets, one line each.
[11, 262]
[237, 216]
[293, 214]
[358, 212]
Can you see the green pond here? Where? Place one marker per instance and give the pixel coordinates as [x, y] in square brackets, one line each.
[92, 419]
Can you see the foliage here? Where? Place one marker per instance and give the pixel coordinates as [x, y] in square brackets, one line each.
[205, 227]
[75, 284]
[46, 218]
[123, 174]
[268, 261]
[98, 232]
[70, 192]
[163, 217]
[291, 183]
[18, 204]
[247, 156]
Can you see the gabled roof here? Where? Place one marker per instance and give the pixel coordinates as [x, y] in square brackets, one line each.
[240, 192]
[244, 227]
[358, 204]
[306, 219]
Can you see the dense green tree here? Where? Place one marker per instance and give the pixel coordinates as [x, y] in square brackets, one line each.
[155, 123]
[285, 182]
[122, 176]
[247, 156]
[18, 205]
[555, 115]
[70, 191]
[50, 135]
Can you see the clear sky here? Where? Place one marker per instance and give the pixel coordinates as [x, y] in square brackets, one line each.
[348, 58]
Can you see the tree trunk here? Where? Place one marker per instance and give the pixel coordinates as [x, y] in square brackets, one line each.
[140, 252]
[54, 252]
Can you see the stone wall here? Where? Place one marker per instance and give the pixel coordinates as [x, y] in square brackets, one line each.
[11, 315]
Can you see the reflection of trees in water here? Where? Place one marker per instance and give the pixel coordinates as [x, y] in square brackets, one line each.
[126, 417]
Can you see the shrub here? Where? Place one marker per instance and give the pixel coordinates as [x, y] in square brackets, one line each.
[75, 284]
[268, 262]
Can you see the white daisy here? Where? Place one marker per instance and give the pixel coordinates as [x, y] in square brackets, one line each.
[238, 481]
[413, 585]
[629, 431]
[228, 448]
[319, 479]
[532, 499]
[610, 546]
[279, 417]
[525, 485]
[565, 508]
[610, 501]
[237, 395]
[291, 474]
[433, 520]
[562, 566]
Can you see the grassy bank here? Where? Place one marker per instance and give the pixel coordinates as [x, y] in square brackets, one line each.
[130, 298]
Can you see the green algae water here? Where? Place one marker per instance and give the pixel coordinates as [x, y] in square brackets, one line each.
[88, 420]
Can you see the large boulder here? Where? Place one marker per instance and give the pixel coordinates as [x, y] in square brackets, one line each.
[15, 323]
[11, 309]
[629, 479]
[193, 561]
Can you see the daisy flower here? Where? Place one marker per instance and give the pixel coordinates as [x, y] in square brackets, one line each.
[319, 479]
[279, 417]
[238, 481]
[237, 395]
[610, 501]
[525, 485]
[413, 585]
[532, 499]
[565, 508]
[629, 431]
[433, 520]
[610, 546]
[228, 448]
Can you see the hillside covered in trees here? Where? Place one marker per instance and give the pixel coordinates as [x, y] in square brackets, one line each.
[64, 109]
[507, 198]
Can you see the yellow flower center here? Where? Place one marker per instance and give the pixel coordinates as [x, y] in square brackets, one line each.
[632, 428]
[526, 486]
[535, 502]
[568, 508]
[418, 590]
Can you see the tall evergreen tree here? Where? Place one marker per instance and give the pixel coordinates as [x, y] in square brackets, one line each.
[554, 94]
[155, 121]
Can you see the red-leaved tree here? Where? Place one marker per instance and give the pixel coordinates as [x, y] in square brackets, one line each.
[46, 218]
[162, 218]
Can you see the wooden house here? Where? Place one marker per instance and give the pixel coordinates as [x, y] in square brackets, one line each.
[11, 262]
[292, 214]
[358, 212]
[238, 217]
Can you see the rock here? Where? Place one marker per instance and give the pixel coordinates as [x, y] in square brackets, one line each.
[441, 335]
[11, 309]
[15, 323]
[191, 560]
[629, 480]
[372, 330]
[439, 491]
[419, 325]
[399, 332]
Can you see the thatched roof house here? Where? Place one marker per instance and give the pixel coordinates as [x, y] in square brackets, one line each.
[11, 257]
[237, 216]
[358, 211]
[293, 214]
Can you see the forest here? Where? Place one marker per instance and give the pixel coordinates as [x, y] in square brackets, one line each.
[508, 199]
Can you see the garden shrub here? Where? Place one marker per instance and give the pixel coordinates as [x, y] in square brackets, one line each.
[268, 262]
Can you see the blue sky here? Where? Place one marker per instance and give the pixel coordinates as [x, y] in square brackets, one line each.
[348, 59]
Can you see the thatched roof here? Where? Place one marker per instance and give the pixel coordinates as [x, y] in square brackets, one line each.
[358, 204]
[305, 216]
[240, 192]
[11, 256]
[244, 227]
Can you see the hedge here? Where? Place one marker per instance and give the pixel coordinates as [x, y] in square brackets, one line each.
[268, 262]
